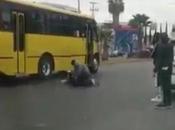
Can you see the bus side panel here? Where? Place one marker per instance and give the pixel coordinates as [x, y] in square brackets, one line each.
[32, 65]
[96, 48]
[7, 60]
[77, 48]
[62, 63]
[70, 48]
[63, 49]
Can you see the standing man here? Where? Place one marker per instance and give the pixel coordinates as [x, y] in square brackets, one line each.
[164, 67]
[156, 41]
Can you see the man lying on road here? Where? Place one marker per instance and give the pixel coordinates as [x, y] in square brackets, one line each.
[80, 75]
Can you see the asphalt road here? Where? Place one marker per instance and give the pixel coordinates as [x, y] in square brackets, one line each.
[121, 102]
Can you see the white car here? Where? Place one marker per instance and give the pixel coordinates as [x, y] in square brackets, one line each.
[113, 53]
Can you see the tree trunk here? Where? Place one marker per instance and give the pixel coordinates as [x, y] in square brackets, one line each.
[140, 38]
[150, 36]
[116, 18]
[145, 38]
[105, 55]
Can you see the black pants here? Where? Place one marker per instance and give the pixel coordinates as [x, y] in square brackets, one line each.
[166, 88]
[83, 80]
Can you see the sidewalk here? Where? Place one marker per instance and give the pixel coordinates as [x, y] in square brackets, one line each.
[121, 60]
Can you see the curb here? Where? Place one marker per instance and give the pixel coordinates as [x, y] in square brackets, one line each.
[123, 61]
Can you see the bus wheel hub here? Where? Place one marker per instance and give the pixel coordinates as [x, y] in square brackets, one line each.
[46, 69]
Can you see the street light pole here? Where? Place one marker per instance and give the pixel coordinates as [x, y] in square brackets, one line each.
[93, 9]
[79, 11]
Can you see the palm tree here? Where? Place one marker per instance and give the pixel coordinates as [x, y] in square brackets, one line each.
[150, 34]
[115, 8]
[146, 25]
[142, 21]
[166, 28]
[161, 28]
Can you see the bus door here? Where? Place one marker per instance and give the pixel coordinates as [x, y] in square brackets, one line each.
[19, 41]
[90, 45]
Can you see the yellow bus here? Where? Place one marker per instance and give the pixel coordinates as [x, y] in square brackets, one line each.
[41, 39]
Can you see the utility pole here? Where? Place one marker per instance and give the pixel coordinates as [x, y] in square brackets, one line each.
[79, 11]
[93, 9]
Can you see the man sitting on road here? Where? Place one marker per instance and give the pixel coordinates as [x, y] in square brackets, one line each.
[80, 76]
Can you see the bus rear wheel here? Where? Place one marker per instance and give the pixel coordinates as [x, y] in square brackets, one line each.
[45, 67]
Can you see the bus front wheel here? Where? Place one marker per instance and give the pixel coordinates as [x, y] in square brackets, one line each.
[45, 67]
[95, 66]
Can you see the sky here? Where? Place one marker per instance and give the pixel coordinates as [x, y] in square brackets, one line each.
[160, 11]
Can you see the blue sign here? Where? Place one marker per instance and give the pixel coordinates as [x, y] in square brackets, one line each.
[126, 40]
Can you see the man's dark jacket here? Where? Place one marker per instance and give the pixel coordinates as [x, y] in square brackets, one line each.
[164, 58]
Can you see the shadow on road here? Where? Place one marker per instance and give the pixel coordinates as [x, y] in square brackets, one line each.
[30, 80]
[97, 78]
[36, 80]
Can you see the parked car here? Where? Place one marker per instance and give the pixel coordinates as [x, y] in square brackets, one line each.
[114, 53]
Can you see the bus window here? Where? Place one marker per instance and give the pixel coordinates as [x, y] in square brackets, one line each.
[53, 21]
[95, 34]
[94, 31]
[5, 19]
[68, 26]
[35, 22]
[21, 32]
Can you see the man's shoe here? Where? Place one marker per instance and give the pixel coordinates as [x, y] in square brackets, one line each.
[64, 81]
[93, 82]
[156, 99]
